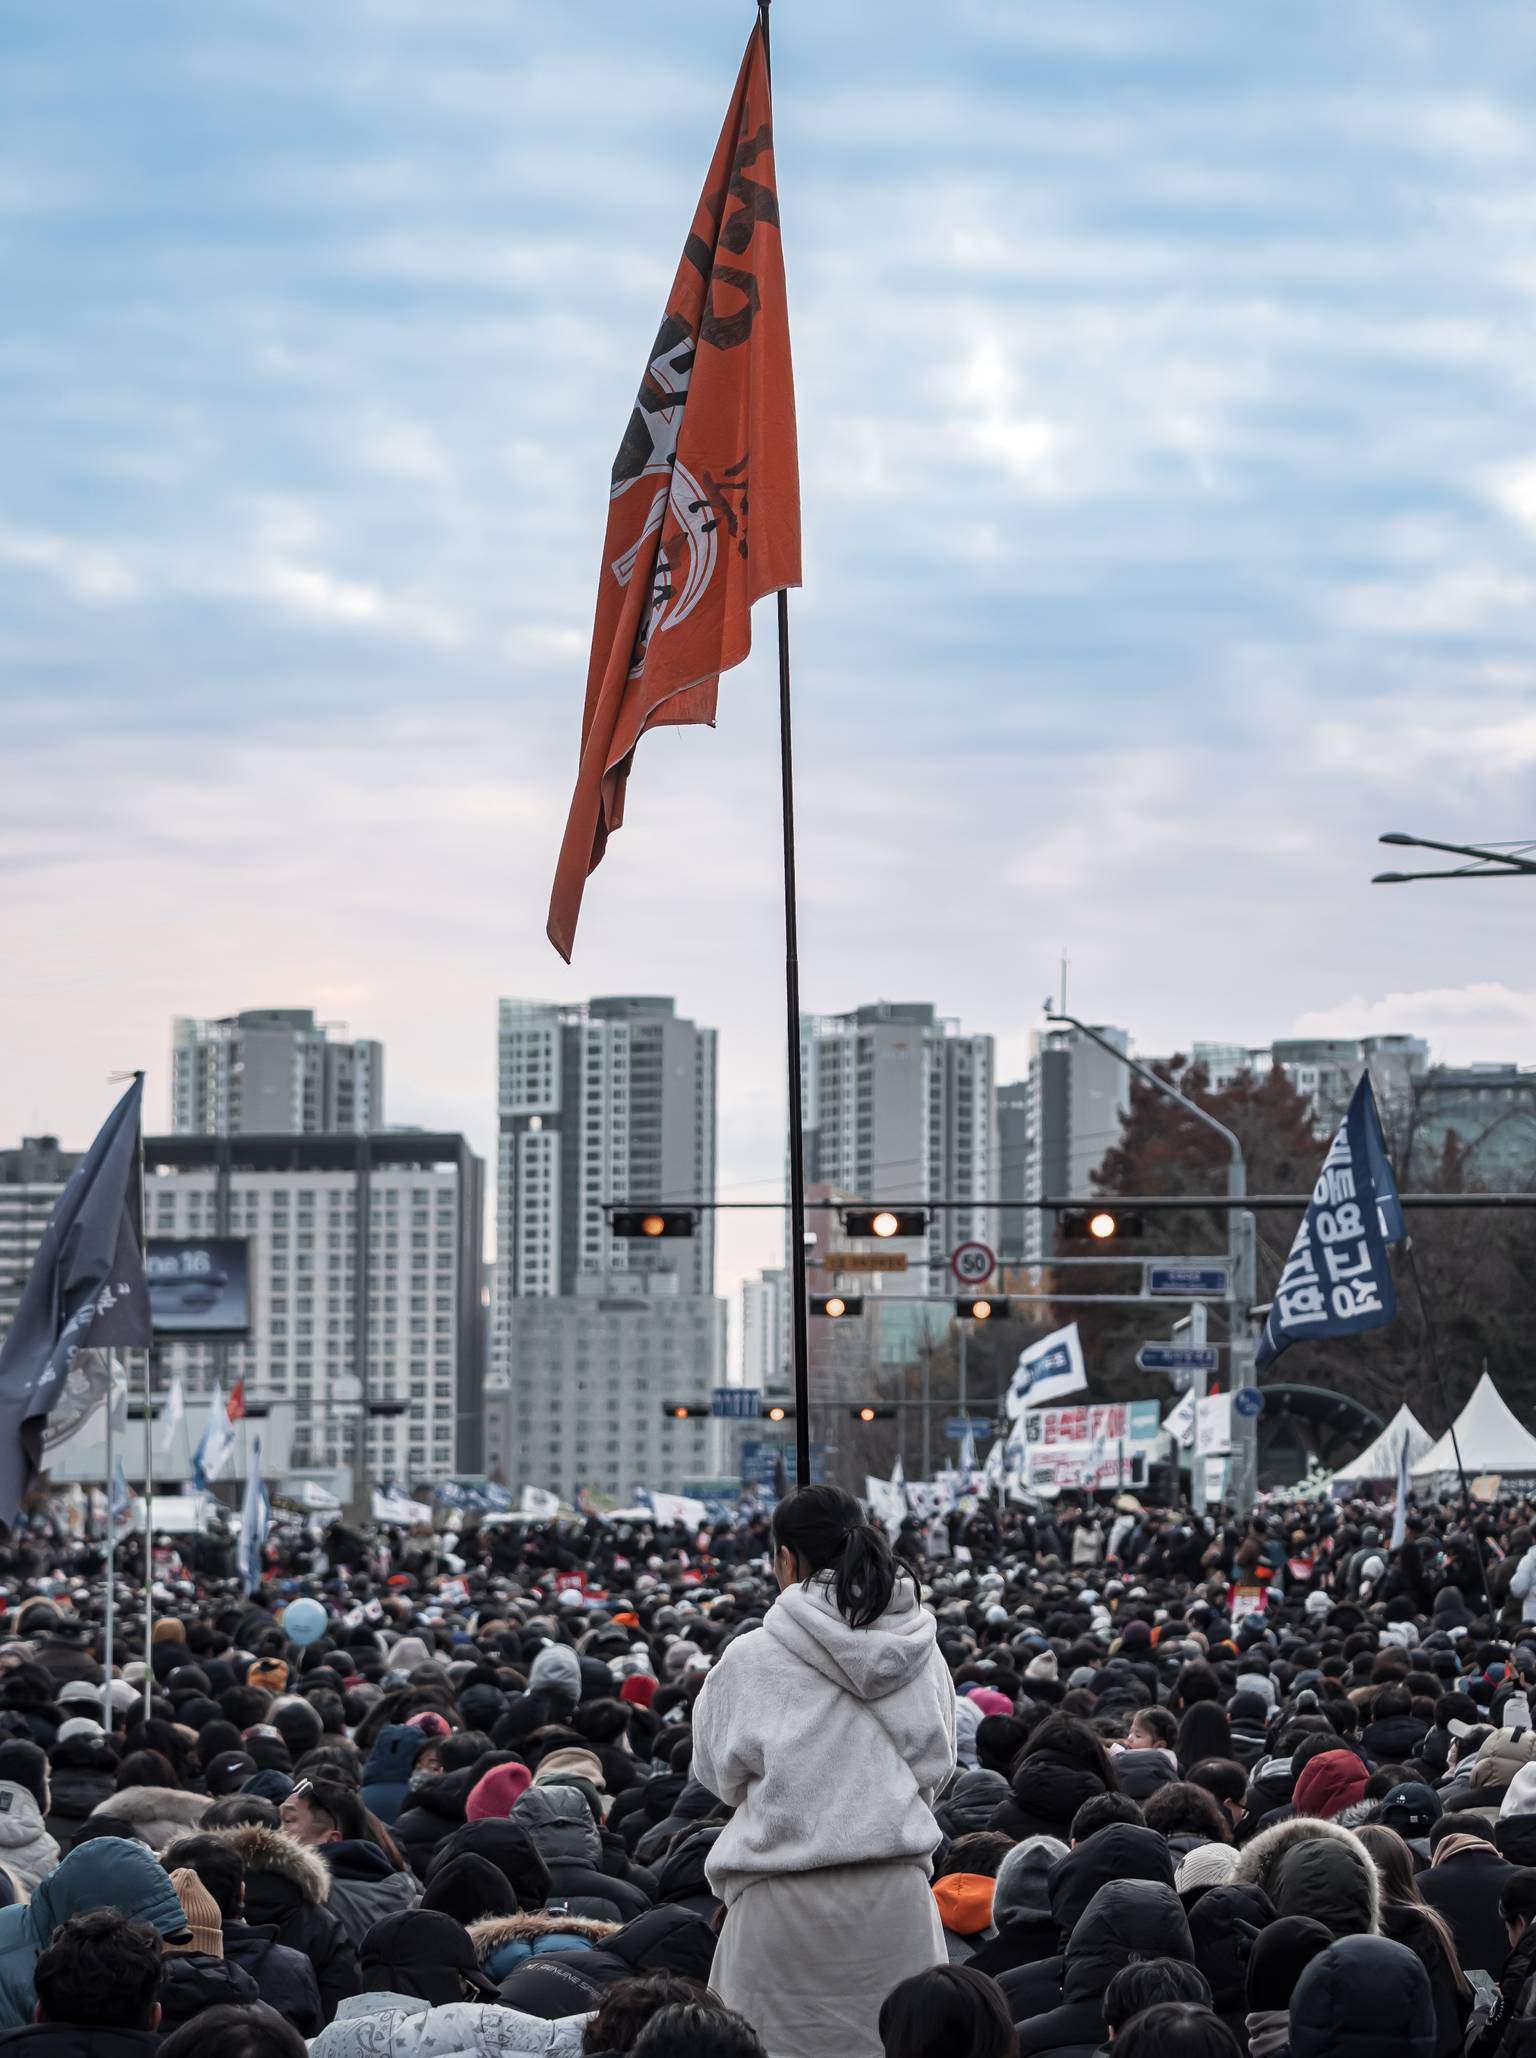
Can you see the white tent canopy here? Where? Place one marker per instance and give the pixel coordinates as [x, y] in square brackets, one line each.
[1379, 1459]
[1491, 1436]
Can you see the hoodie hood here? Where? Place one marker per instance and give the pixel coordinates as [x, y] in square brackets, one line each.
[1225, 1923]
[108, 1872]
[1023, 1878]
[1314, 1868]
[1123, 1851]
[1364, 1997]
[868, 1663]
[158, 1813]
[556, 1669]
[1128, 1920]
[268, 1850]
[393, 1757]
[666, 1940]
[560, 1826]
[971, 1802]
[495, 1932]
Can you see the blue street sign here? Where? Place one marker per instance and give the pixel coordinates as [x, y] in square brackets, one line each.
[955, 1426]
[1248, 1400]
[1188, 1282]
[1177, 1357]
[737, 1403]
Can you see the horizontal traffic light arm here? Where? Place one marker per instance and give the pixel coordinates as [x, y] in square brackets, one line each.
[1107, 1224]
[686, 1411]
[648, 1223]
[885, 1221]
[873, 1411]
[982, 1307]
[837, 1307]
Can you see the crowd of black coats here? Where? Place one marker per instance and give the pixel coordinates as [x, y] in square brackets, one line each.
[1313, 1832]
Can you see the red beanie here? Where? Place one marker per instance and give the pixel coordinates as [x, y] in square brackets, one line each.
[493, 1798]
[1330, 1781]
[639, 1690]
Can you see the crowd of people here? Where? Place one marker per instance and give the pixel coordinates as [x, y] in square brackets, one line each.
[1023, 1783]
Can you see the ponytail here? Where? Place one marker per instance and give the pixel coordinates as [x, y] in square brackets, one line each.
[826, 1530]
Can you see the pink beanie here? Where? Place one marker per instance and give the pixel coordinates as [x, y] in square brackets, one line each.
[990, 1701]
[430, 1723]
[493, 1798]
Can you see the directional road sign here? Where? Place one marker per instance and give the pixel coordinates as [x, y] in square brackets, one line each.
[955, 1426]
[1177, 1357]
[865, 1261]
[1248, 1400]
[737, 1403]
[1186, 1282]
[972, 1263]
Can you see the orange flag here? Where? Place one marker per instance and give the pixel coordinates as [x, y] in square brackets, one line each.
[704, 507]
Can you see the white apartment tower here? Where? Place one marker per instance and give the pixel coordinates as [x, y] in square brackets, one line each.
[273, 1072]
[899, 1107]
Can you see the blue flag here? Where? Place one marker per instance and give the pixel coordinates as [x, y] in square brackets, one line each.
[86, 1291]
[255, 1519]
[1337, 1281]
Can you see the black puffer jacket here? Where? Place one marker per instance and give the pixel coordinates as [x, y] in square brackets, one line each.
[1045, 1793]
[430, 1813]
[1123, 1851]
[971, 1803]
[1393, 1740]
[509, 1848]
[287, 1889]
[1314, 1868]
[644, 1806]
[661, 1940]
[1225, 1923]
[694, 1804]
[191, 1981]
[82, 1776]
[681, 1881]
[1364, 1997]
[284, 1978]
[1125, 1921]
[559, 1825]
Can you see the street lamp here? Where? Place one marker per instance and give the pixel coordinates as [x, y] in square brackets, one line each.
[1484, 860]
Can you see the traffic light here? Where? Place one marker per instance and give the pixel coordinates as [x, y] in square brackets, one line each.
[685, 1411]
[873, 1411]
[649, 1222]
[982, 1307]
[837, 1306]
[778, 1411]
[1101, 1225]
[886, 1221]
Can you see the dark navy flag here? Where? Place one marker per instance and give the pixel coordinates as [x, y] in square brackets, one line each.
[86, 1292]
[1337, 1280]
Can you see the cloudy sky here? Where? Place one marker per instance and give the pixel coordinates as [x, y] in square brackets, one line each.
[1168, 423]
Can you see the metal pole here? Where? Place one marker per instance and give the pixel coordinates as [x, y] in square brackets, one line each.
[149, 1513]
[963, 1327]
[1239, 1259]
[1197, 1385]
[927, 1404]
[109, 1560]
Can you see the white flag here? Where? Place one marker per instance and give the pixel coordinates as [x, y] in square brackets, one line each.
[539, 1504]
[216, 1442]
[171, 1418]
[1400, 1512]
[1179, 1422]
[255, 1517]
[1048, 1371]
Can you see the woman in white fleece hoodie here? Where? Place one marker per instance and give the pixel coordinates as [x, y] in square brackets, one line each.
[829, 1731]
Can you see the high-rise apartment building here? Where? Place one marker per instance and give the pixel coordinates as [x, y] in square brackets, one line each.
[608, 1102]
[365, 1265]
[765, 1331]
[1324, 1069]
[1060, 1121]
[899, 1107]
[31, 1180]
[273, 1072]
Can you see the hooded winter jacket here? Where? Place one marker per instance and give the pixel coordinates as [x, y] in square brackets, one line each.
[560, 1827]
[971, 1803]
[1314, 1868]
[509, 1848]
[1045, 1793]
[1128, 1920]
[808, 1707]
[159, 1814]
[401, 2026]
[1122, 1851]
[1406, 1924]
[191, 1981]
[431, 1812]
[365, 1887]
[566, 1983]
[287, 1890]
[81, 1776]
[27, 1851]
[503, 1942]
[108, 1872]
[387, 1775]
[1365, 1997]
[1225, 1924]
[682, 1877]
[695, 1803]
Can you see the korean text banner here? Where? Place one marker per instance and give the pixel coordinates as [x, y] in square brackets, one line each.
[1337, 1280]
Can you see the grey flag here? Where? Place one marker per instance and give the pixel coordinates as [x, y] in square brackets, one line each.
[86, 1292]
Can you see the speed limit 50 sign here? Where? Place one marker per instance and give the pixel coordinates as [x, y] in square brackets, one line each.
[972, 1263]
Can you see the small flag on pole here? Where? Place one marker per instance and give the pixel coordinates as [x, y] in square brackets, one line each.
[255, 1517]
[215, 1444]
[1047, 1371]
[171, 1417]
[86, 1291]
[234, 1407]
[1400, 1506]
[1337, 1280]
[704, 504]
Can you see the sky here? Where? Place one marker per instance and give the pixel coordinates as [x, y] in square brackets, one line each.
[1167, 406]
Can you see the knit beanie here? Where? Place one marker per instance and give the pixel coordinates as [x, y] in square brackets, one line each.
[1043, 1667]
[1280, 1955]
[493, 1797]
[639, 1690]
[271, 1673]
[1207, 1865]
[989, 1700]
[1023, 1875]
[571, 1760]
[202, 1913]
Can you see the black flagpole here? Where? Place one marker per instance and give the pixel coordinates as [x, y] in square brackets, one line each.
[800, 1321]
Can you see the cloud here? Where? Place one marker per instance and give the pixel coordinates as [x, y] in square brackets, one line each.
[87, 571]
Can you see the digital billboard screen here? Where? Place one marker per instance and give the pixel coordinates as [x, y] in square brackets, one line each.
[199, 1286]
